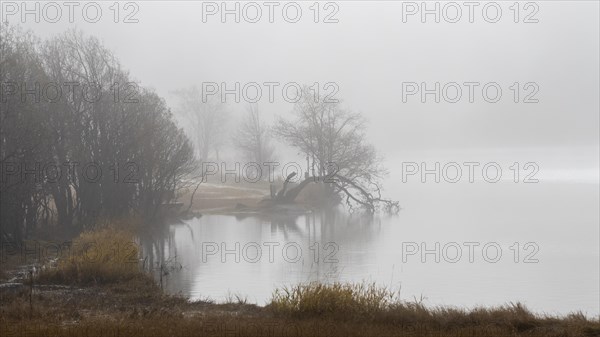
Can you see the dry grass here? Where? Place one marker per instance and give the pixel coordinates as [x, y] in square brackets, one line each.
[375, 305]
[138, 308]
[105, 255]
[228, 323]
[337, 299]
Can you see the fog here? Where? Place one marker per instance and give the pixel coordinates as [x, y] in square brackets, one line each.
[369, 53]
[475, 122]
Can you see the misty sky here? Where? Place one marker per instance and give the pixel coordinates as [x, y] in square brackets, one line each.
[370, 52]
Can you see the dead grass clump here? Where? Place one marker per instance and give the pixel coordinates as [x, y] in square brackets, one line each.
[337, 299]
[103, 255]
[370, 304]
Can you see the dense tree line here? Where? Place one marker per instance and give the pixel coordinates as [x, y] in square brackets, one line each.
[79, 139]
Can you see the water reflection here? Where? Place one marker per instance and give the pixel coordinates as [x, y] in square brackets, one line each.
[215, 255]
[254, 254]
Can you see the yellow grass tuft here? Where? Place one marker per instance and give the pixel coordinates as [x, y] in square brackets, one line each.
[317, 299]
[373, 305]
[104, 255]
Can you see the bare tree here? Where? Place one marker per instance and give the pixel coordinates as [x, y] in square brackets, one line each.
[253, 139]
[23, 132]
[137, 138]
[337, 151]
[205, 122]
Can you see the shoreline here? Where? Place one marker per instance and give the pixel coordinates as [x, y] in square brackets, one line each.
[124, 303]
[139, 307]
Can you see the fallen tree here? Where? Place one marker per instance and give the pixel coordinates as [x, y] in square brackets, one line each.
[337, 154]
[354, 193]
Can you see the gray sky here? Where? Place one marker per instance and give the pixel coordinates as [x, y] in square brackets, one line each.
[370, 52]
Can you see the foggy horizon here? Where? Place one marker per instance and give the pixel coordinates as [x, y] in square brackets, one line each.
[430, 164]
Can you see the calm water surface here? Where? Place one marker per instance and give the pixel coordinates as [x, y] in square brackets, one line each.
[553, 269]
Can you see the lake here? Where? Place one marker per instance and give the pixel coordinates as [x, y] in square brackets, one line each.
[465, 244]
